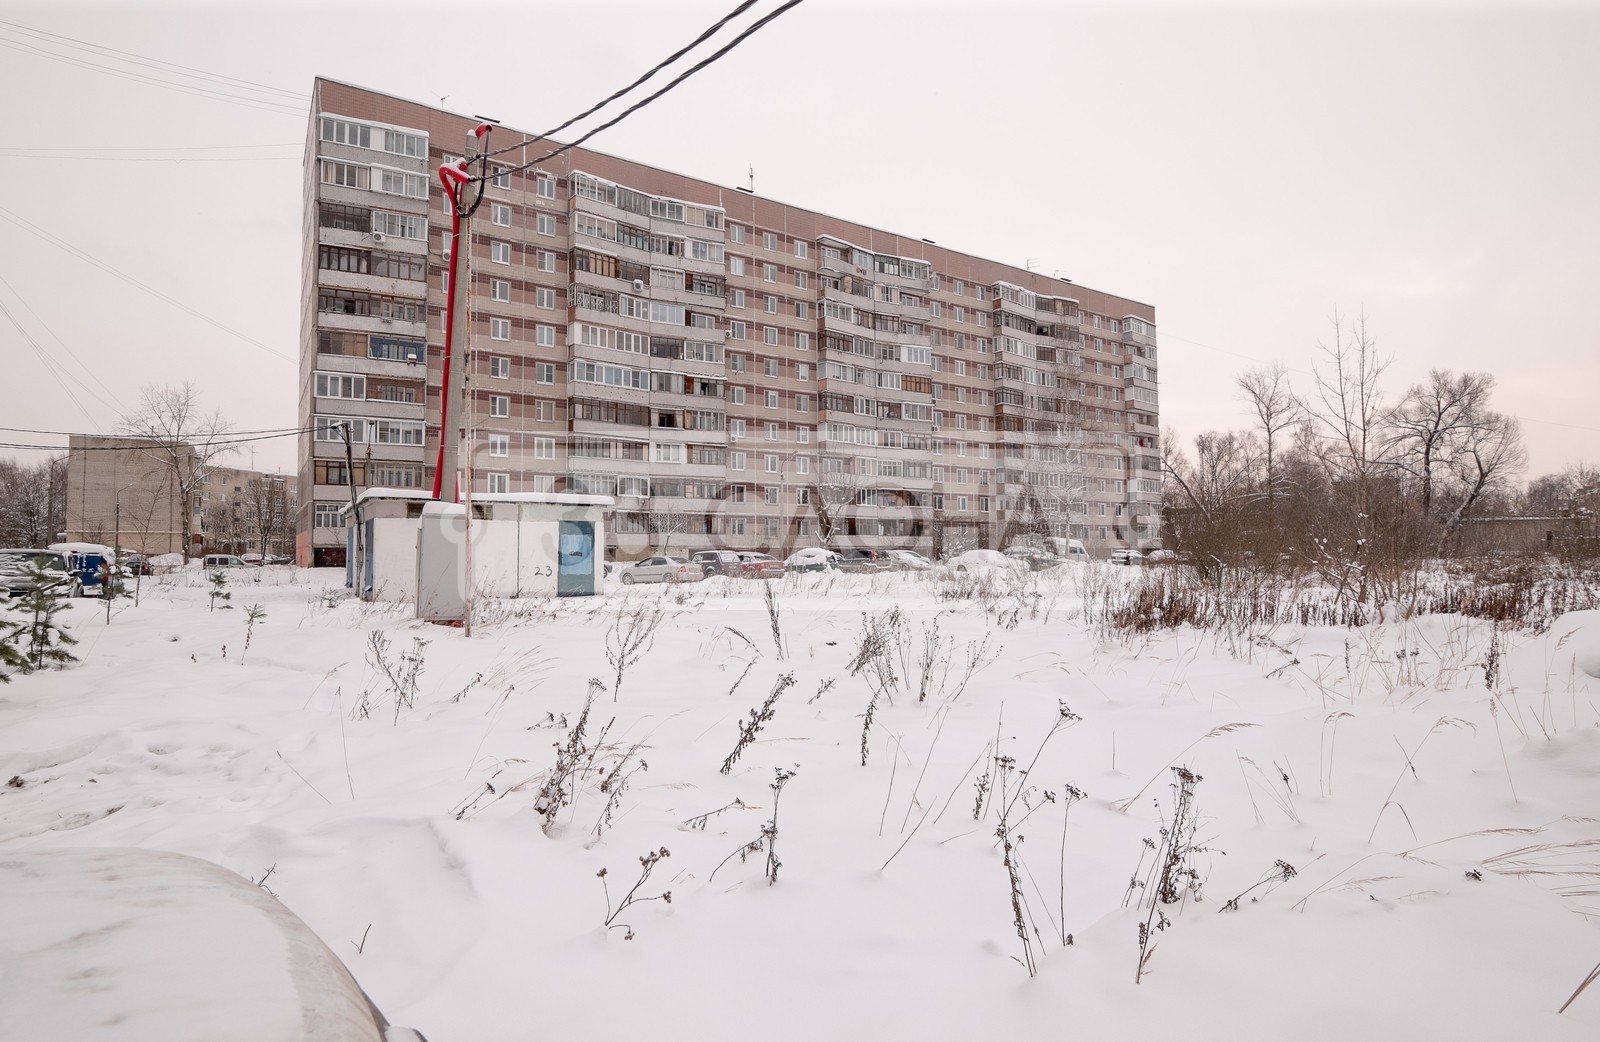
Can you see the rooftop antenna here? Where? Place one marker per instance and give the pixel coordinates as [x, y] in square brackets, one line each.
[752, 180]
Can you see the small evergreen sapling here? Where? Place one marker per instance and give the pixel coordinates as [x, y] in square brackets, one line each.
[218, 591]
[43, 640]
[253, 614]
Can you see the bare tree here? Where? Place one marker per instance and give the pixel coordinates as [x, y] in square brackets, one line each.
[1209, 499]
[1434, 421]
[1348, 408]
[181, 438]
[32, 503]
[1277, 411]
[1490, 454]
[268, 511]
[833, 495]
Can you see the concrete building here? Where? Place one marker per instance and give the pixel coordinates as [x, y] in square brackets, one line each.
[736, 371]
[125, 491]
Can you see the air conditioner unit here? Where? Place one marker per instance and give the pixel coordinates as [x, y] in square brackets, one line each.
[377, 236]
[638, 285]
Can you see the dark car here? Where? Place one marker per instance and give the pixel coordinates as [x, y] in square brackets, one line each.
[717, 562]
[864, 561]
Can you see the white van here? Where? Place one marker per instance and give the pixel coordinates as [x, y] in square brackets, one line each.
[1067, 549]
[224, 561]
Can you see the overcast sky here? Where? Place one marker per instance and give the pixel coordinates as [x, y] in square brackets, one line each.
[1248, 170]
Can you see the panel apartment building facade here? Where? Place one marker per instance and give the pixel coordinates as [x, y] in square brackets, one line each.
[734, 370]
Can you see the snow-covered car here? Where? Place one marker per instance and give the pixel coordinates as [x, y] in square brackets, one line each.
[660, 570]
[1126, 555]
[908, 561]
[1161, 557]
[985, 560]
[121, 943]
[17, 580]
[1033, 557]
[760, 566]
[812, 559]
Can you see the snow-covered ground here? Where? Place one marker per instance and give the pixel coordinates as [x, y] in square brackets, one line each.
[1440, 820]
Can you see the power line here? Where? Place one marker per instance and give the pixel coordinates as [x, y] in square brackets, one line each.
[149, 62]
[50, 363]
[714, 56]
[158, 159]
[674, 56]
[259, 104]
[34, 229]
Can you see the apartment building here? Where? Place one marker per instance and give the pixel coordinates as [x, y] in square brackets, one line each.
[736, 371]
[124, 491]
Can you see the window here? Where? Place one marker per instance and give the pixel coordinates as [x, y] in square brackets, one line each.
[772, 432]
[770, 367]
[544, 411]
[499, 484]
[544, 372]
[344, 132]
[735, 429]
[769, 273]
[772, 305]
[500, 214]
[499, 329]
[802, 309]
[769, 241]
[326, 515]
[544, 186]
[735, 461]
[802, 341]
[802, 371]
[772, 463]
[341, 385]
[773, 495]
[544, 448]
[736, 395]
[544, 260]
[736, 233]
[500, 252]
[735, 265]
[544, 298]
[668, 452]
[499, 405]
[500, 289]
[801, 280]
[396, 432]
[547, 224]
[769, 336]
[736, 330]
[500, 367]
[800, 250]
[737, 299]
[502, 178]
[499, 444]
[802, 435]
[736, 363]
[545, 336]
[772, 399]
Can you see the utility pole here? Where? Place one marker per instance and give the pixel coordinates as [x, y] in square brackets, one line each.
[456, 178]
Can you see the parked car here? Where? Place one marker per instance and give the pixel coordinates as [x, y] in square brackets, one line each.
[1161, 557]
[864, 561]
[278, 559]
[60, 576]
[985, 560]
[1034, 558]
[660, 570]
[812, 559]
[134, 564]
[254, 560]
[128, 943]
[224, 561]
[760, 566]
[1126, 556]
[908, 561]
[716, 562]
